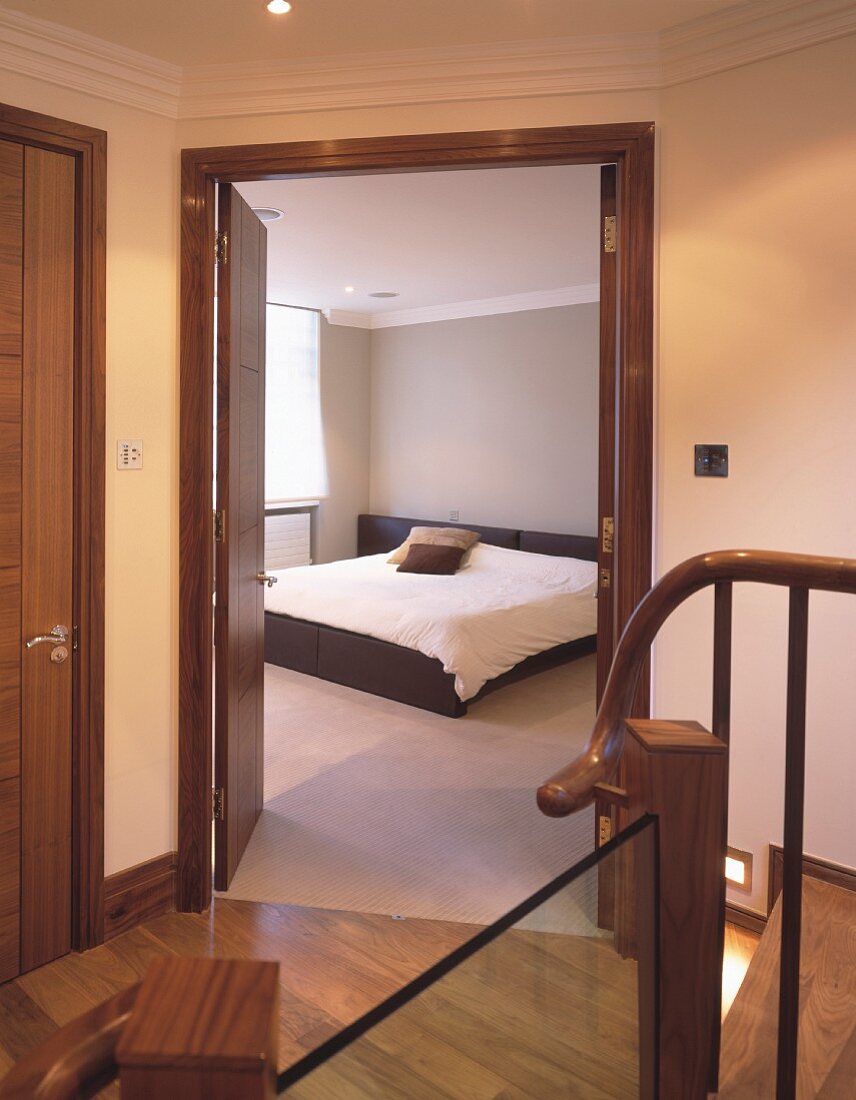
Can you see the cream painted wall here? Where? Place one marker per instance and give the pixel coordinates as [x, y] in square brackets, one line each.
[141, 563]
[756, 348]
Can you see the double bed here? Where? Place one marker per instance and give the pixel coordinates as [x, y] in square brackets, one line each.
[523, 603]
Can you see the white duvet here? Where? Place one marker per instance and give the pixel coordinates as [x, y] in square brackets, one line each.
[503, 606]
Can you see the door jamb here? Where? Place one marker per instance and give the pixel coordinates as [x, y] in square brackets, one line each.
[89, 148]
[629, 145]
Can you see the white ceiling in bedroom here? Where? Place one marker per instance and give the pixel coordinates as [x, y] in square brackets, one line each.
[433, 237]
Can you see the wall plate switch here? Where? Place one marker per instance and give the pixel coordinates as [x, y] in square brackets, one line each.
[129, 454]
[711, 460]
[454, 515]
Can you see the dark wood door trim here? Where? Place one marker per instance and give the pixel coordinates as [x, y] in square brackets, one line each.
[630, 146]
[89, 148]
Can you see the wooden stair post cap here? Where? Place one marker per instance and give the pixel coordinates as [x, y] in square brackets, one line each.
[661, 735]
[192, 1012]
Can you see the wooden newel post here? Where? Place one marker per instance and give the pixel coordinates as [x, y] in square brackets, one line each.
[678, 771]
[202, 1029]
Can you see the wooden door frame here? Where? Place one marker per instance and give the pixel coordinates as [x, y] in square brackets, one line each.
[629, 145]
[89, 149]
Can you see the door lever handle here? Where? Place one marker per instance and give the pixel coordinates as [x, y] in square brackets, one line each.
[57, 636]
[266, 578]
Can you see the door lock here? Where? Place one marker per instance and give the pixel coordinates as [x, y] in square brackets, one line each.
[59, 654]
[266, 578]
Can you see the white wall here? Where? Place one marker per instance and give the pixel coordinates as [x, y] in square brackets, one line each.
[496, 417]
[142, 385]
[345, 358]
[756, 347]
[758, 350]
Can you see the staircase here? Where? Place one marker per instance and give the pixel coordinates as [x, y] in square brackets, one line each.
[826, 1065]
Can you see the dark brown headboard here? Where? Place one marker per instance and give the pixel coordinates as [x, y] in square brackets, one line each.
[583, 547]
[380, 534]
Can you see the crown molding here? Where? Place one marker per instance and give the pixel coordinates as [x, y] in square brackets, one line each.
[481, 307]
[740, 35]
[748, 33]
[499, 71]
[37, 48]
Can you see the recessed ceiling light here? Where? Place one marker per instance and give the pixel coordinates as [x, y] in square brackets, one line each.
[384, 294]
[279, 7]
[268, 213]
[349, 290]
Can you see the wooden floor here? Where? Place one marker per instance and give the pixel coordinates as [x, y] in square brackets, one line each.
[827, 1025]
[334, 967]
[552, 1001]
[532, 1015]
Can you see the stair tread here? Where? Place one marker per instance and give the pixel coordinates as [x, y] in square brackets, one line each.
[827, 1035]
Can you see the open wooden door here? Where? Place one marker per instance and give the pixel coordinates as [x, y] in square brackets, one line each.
[239, 601]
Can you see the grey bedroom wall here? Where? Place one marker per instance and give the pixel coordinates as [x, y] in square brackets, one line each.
[493, 416]
[345, 361]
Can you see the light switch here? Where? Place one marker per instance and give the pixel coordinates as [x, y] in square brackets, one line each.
[129, 454]
[711, 460]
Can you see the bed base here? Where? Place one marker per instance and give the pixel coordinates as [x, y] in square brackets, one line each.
[391, 671]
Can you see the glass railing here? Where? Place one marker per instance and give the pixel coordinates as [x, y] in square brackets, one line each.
[543, 1003]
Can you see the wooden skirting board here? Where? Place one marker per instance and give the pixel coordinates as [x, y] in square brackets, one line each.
[139, 893]
[813, 867]
[750, 919]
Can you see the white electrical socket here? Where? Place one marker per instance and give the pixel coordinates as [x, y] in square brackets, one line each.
[454, 516]
[129, 454]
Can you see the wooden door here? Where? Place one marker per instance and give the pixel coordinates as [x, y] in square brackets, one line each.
[606, 446]
[37, 302]
[239, 599]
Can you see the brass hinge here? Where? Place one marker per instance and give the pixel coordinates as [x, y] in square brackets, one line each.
[221, 248]
[217, 803]
[219, 526]
[605, 578]
[75, 638]
[607, 534]
[604, 829]
[609, 233]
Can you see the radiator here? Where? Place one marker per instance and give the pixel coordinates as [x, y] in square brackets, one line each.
[287, 540]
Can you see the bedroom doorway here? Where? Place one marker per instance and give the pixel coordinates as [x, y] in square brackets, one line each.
[623, 568]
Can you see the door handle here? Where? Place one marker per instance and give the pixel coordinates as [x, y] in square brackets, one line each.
[266, 578]
[57, 636]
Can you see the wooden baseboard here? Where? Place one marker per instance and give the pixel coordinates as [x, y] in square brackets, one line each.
[139, 893]
[749, 919]
[813, 867]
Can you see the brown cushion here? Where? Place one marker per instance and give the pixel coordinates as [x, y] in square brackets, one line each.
[434, 536]
[441, 561]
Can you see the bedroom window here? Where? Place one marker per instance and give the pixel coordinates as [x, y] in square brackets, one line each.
[295, 466]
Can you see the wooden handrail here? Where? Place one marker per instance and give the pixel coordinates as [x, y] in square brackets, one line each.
[78, 1060]
[572, 788]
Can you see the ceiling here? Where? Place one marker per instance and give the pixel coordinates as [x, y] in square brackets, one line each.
[195, 32]
[435, 237]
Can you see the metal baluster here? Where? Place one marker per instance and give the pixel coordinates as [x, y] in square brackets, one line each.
[789, 981]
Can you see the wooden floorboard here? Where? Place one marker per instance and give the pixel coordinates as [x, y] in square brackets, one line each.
[533, 1014]
[333, 967]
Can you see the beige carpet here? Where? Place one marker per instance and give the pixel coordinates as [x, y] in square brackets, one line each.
[377, 807]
